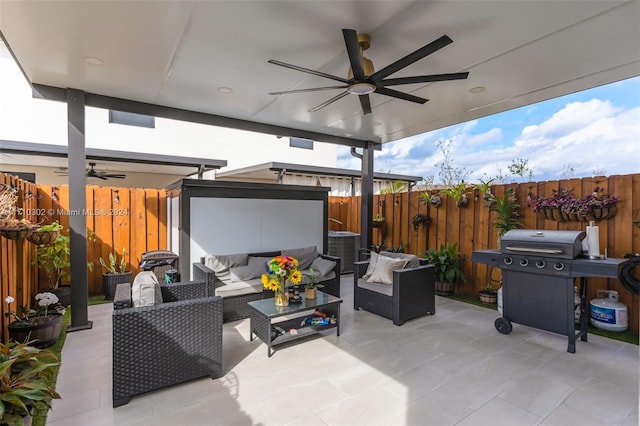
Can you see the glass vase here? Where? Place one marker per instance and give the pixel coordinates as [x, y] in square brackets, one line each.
[280, 296]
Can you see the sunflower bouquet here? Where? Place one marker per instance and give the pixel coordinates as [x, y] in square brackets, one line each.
[281, 269]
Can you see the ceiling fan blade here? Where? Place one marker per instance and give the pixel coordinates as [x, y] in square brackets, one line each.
[99, 176]
[423, 79]
[353, 49]
[114, 176]
[400, 95]
[314, 89]
[412, 57]
[308, 71]
[365, 102]
[330, 101]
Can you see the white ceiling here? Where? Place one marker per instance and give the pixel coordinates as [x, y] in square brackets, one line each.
[179, 53]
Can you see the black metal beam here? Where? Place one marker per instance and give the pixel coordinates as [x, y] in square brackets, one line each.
[27, 148]
[118, 104]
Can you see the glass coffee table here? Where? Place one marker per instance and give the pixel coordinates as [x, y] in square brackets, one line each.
[267, 324]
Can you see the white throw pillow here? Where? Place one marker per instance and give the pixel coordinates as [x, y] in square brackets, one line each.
[322, 266]
[145, 290]
[373, 259]
[383, 271]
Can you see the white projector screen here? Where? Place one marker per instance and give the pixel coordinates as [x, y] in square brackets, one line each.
[241, 225]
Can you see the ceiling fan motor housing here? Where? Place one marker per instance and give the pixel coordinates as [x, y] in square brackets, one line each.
[364, 41]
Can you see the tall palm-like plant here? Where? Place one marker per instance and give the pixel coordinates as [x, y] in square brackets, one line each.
[506, 210]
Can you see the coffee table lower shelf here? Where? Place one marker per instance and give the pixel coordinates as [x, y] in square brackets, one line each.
[263, 316]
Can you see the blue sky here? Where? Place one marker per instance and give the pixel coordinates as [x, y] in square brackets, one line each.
[596, 131]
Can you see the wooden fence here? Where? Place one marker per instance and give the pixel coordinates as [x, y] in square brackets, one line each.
[117, 218]
[471, 229]
[136, 219]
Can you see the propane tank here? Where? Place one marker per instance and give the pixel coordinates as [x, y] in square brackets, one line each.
[576, 303]
[607, 313]
[500, 300]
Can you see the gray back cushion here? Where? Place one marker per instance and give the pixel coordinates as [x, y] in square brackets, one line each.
[412, 259]
[305, 255]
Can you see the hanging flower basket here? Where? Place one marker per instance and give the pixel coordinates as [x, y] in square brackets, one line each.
[17, 232]
[564, 207]
[602, 213]
[39, 237]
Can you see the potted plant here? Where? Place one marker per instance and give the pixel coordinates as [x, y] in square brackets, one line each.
[435, 200]
[10, 227]
[41, 326]
[488, 294]
[447, 263]
[378, 221]
[458, 192]
[420, 218]
[54, 260]
[45, 234]
[484, 188]
[507, 213]
[115, 273]
[24, 371]
[310, 288]
[563, 206]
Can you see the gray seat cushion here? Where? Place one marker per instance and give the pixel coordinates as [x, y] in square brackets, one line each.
[239, 288]
[387, 290]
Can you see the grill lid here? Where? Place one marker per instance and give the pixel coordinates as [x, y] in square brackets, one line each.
[559, 244]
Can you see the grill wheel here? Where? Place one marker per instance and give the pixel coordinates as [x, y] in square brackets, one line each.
[503, 325]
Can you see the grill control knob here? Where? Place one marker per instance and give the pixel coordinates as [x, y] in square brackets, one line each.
[540, 264]
[508, 261]
[524, 262]
[558, 266]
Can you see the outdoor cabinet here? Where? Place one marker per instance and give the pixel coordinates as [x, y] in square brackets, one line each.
[214, 217]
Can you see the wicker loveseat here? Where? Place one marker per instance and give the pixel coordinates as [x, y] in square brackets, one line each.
[394, 285]
[172, 342]
[236, 293]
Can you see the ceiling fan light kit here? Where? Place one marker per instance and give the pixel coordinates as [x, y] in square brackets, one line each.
[362, 79]
[361, 89]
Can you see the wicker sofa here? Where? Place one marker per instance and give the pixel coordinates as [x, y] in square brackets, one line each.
[408, 290]
[237, 294]
[165, 344]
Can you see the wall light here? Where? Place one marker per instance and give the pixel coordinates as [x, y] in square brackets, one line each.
[116, 198]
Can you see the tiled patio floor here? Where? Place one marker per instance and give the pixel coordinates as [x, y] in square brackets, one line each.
[453, 368]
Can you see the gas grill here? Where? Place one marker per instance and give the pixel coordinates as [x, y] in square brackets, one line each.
[539, 268]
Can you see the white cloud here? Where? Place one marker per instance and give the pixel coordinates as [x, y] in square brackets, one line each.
[593, 135]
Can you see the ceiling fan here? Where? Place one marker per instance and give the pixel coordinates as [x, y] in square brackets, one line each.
[93, 173]
[363, 79]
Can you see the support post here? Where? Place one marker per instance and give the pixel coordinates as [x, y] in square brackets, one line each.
[366, 193]
[77, 207]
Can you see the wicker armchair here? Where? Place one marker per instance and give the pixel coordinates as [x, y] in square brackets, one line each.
[235, 307]
[162, 345]
[411, 295]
